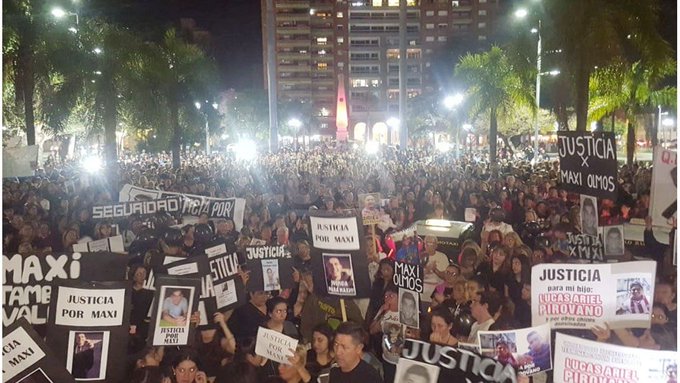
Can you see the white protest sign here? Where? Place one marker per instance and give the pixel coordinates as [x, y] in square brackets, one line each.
[470, 214]
[582, 296]
[274, 346]
[19, 162]
[85, 307]
[335, 233]
[663, 198]
[580, 360]
[112, 244]
[19, 352]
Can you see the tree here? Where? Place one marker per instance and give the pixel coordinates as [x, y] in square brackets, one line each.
[635, 89]
[494, 87]
[248, 115]
[596, 33]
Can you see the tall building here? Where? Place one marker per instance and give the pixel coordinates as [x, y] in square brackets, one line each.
[319, 42]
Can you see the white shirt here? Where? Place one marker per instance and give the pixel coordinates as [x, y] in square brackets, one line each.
[430, 279]
[476, 327]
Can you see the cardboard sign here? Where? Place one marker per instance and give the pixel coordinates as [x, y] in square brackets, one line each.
[527, 349]
[122, 210]
[371, 214]
[663, 204]
[339, 263]
[26, 358]
[175, 301]
[585, 247]
[228, 286]
[197, 267]
[274, 346]
[28, 280]
[409, 308]
[271, 267]
[453, 365]
[192, 205]
[588, 163]
[581, 296]
[88, 328]
[581, 360]
[589, 215]
[408, 276]
[111, 244]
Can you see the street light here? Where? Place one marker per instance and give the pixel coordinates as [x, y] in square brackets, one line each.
[295, 124]
[393, 123]
[451, 103]
[521, 14]
[59, 13]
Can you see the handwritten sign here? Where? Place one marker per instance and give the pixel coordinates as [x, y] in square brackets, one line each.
[274, 346]
[588, 163]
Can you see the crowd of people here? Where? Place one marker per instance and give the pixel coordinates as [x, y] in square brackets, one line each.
[518, 209]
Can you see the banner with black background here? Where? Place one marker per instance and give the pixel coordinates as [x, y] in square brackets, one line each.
[271, 267]
[588, 163]
[88, 328]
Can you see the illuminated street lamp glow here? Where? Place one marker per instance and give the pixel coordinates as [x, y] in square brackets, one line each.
[245, 150]
[451, 102]
[73, 30]
[392, 122]
[443, 147]
[58, 12]
[197, 105]
[91, 164]
[97, 50]
[467, 127]
[372, 147]
[554, 72]
[534, 30]
[214, 105]
[295, 123]
[521, 13]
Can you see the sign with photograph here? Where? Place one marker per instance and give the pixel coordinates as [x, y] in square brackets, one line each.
[589, 215]
[613, 239]
[28, 280]
[146, 208]
[271, 267]
[227, 284]
[663, 203]
[582, 296]
[111, 244]
[371, 214]
[26, 358]
[274, 346]
[409, 308]
[175, 300]
[452, 364]
[192, 205]
[588, 163]
[339, 263]
[88, 328]
[581, 360]
[526, 349]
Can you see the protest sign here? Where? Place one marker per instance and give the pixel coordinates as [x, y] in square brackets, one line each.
[123, 210]
[28, 280]
[192, 205]
[26, 358]
[271, 267]
[663, 204]
[227, 284]
[20, 161]
[88, 328]
[111, 244]
[581, 296]
[613, 241]
[274, 346]
[175, 300]
[580, 360]
[589, 215]
[409, 308]
[527, 349]
[588, 163]
[585, 247]
[408, 276]
[454, 364]
[371, 214]
[470, 214]
[339, 263]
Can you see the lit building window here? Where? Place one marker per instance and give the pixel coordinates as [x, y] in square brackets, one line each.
[322, 52]
[341, 40]
[429, 13]
[441, 38]
[481, 25]
[455, 3]
[377, 3]
[482, 12]
[442, 13]
[393, 3]
[322, 40]
[429, 26]
[339, 15]
[360, 83]
[375, 82]
[322, 65]
[429, 38]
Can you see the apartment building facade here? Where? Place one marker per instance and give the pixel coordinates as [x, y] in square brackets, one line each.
[319, 42]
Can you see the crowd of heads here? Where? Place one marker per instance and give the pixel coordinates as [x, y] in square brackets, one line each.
[520, 214]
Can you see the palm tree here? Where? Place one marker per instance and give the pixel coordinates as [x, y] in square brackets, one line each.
[180, 74]
[595, 33]
[635, 89]
[493, 87]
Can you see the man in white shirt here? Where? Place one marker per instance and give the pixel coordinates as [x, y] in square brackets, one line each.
[483, 308]
[434, 267]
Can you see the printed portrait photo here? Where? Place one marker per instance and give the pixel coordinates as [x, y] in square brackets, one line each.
[634, 296]
[370, 206]
[500, 346]
[270, 275]
[613, 240]
[339, 274]
[589, 215]
[87, 354]
[173, 310]
[37, 376]
[409, 314]
[411, 371]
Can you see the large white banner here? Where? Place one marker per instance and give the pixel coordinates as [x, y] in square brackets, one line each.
[19, 162]
[582, 296]
[192, 205]
[663, 203]
[579, 360]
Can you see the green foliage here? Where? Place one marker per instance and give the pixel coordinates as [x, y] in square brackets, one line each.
[248, 115]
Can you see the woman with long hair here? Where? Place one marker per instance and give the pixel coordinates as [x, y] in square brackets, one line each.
[496, 270]
[442, 324]
[186, 369]
[321, 355]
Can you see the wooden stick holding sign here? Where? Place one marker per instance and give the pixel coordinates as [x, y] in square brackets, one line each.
[343, 310]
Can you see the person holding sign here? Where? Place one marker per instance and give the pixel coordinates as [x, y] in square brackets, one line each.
[387, 323]
[277, 308]
[175, 308]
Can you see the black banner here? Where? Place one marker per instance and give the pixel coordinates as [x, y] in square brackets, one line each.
[26, 358]
[88, 328]
[588, 163]
[122, 210]
[427, 361]
[271, 267]
[227, 283]
[28, 280]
